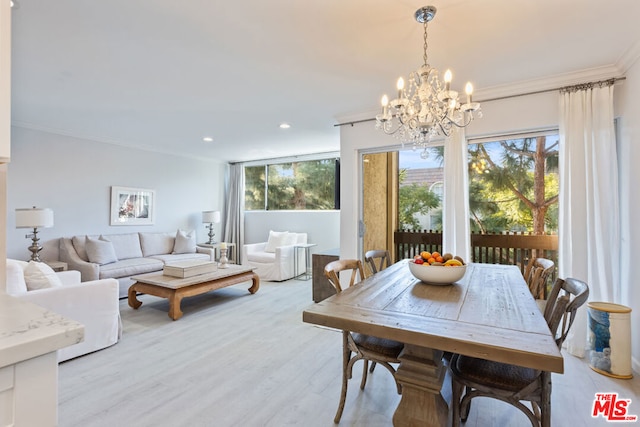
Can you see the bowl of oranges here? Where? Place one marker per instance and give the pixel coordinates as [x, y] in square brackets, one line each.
[436, 269]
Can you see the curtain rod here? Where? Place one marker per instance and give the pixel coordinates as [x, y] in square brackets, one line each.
[288, 159]
[499, 98]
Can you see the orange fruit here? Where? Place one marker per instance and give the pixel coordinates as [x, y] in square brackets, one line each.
[435, 254]
[425, 255]
[431, 260]
[439, 259]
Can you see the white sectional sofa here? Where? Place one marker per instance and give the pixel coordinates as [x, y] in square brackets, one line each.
[274, 259]
[94, 304]
[120, 256]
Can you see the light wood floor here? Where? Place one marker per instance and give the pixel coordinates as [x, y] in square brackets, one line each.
[237, 359]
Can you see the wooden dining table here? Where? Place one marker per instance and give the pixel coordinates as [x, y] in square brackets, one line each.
[489, 314]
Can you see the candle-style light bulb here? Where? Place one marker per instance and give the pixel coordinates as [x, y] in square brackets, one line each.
[447, 79]
[469, 90]
[385, 102]
[400, 86]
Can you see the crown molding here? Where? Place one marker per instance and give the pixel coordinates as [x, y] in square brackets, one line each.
[629, 58]
[548, 83]
[104, 140]
[525, 87]
[356, 116]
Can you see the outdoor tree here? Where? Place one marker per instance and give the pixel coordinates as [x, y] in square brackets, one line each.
[515, 185]
[290, 186]
[254, 188]
[414, 199]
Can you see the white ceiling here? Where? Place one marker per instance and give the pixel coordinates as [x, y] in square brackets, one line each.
[162, 74]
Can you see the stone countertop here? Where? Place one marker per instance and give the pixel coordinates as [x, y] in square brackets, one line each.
[28, 330]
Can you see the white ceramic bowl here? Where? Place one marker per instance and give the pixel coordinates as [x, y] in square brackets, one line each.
[436, 274]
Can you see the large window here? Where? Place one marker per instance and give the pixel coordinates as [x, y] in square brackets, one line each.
[513, 185]
[301, 185]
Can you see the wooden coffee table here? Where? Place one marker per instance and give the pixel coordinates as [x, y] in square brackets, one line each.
[175, 288]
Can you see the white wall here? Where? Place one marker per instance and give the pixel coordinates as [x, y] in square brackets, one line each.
[519, 114]
[74, 176]
[322, 227]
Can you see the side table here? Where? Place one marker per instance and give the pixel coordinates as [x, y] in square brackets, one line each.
[231, 250]
[57, 265]
[321, 287]
[306, 248]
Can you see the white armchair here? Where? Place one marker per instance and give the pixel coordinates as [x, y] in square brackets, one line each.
[94, 304]
[274, 259]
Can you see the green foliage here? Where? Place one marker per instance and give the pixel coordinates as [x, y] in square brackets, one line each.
[504, 181]
[291, 186]
[414, 199]
[254, 186]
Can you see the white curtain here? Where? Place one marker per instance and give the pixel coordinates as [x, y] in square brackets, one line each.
[234, 217]
[455, 207]
[588, 228]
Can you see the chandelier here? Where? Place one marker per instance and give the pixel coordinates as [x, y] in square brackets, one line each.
[427, 107]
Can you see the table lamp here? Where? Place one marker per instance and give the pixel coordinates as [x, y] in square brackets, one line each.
[34, 218]
[211, 217]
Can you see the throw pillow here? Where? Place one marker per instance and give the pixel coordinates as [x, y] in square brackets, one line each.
[16, 284]
[100, 251]
[185, 242]
[39, 275]
[276, 239]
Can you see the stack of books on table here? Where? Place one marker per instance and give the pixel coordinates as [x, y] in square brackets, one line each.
[189, 268]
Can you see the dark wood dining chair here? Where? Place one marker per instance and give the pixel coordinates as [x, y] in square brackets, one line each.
[378, 259]
[511, 383]
[537, 274]
[362, 347]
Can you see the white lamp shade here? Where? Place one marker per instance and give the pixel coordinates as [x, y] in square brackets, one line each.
[34, 218]
[211, 216]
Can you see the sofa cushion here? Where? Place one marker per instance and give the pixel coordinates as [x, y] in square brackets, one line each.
[167, 258]
[276, 239]
[300, 238]
[292, 239]
[100, 251]
[79, 246]
[156, 243]
[185, 242]
[126, 245]
[39, 275]
[128, 267]
[16, 284]
[263, 257]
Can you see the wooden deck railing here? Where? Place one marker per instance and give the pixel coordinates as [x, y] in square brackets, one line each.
[496, 248]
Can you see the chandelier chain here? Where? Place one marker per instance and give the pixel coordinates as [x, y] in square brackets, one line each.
[426, 45]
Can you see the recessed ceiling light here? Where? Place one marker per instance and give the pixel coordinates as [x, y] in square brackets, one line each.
[285, 125]
[207, 139]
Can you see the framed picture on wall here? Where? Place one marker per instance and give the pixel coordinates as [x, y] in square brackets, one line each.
[132, 206]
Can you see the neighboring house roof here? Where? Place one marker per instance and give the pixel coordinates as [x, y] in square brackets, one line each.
[423, 175]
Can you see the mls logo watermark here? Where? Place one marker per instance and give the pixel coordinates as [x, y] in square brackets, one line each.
[612, 408]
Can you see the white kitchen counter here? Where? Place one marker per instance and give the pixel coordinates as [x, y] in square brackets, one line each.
[28, 330]
[29, 339]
